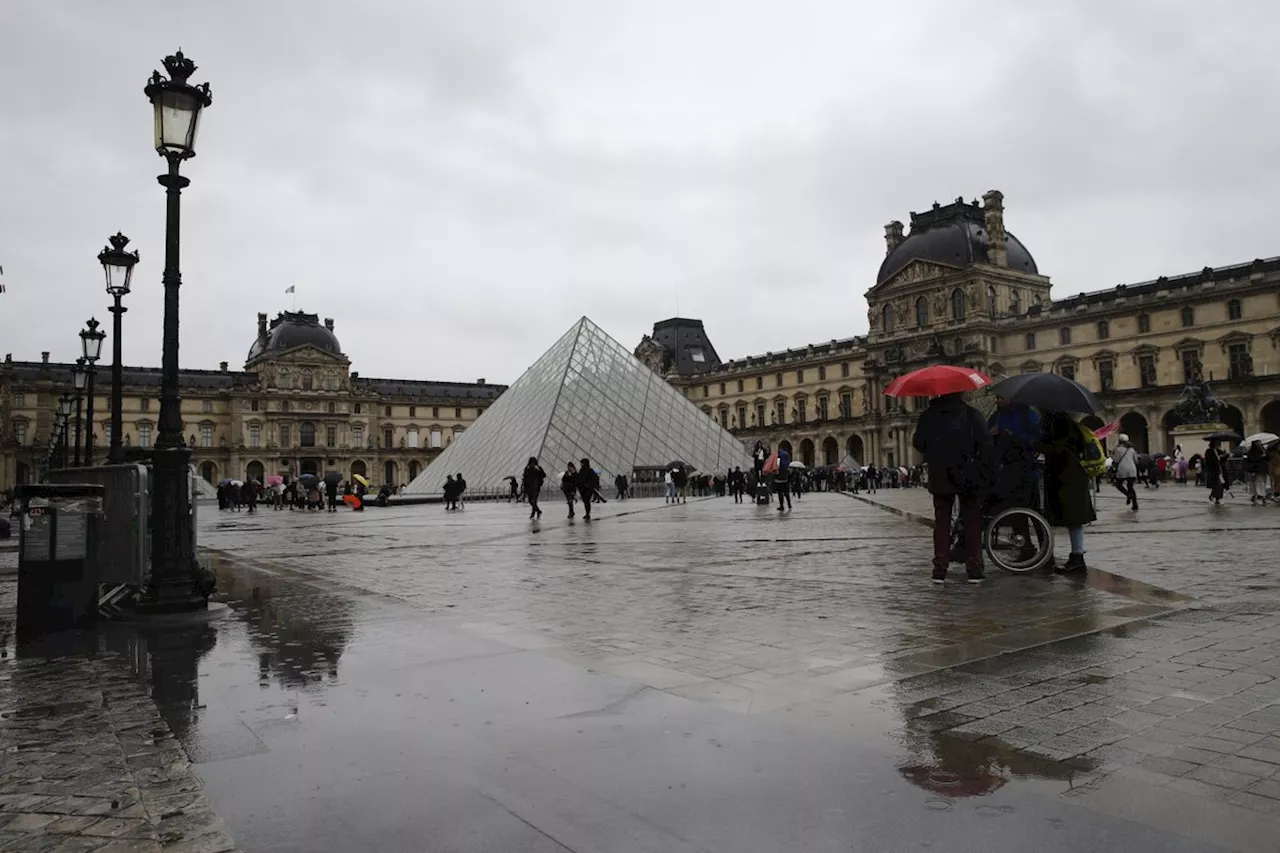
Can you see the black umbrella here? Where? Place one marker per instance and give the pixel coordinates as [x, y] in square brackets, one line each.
[1047, 391]
[306, 477]
[1224, 435]
[677, 464]
[334, 477]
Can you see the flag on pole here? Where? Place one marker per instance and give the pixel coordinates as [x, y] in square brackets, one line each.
[290, 288]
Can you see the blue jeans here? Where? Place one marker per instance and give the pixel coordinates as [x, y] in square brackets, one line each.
[1076, 536]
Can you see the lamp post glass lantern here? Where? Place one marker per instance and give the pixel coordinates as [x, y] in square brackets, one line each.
[118, 265]
[91, 342]
[79, 379]
[176, 582]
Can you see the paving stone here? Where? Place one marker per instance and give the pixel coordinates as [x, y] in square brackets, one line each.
[1222, 777]
[1167, 765]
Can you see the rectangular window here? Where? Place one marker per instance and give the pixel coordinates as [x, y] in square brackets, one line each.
[739, 386]
[742, 416]
[800, 376]
[822, 373]
[1064, 336]
[206, 406]
[20, 431]
[1067, 371]
[698, 356]
[777, 381]
[759, 415]
[1188, 316]
[357, 436]
[780, 414]
[844, 370]
[206, 435]
[1104, 330]
[388, 438]
[1144, 323]
[413, 438]
[435, 411]
[822, 408]
[19, 401]
[759, 383]
[144, 435]
[724, 418]
[846, 405]
[286, 440]
[435, 438]
[1235, 310]
[254, 405]
[706, 391]
[457, 412]
[1031, 340]
[1189, 359]
[144, 405]
[331, 436]
[479, 412]
[358, 409]
[1240, 363]
[802, 411]
[1147, 371]
[386, 410]
[1106, 375]
[413, 411]
[307, 434]
[306, 382]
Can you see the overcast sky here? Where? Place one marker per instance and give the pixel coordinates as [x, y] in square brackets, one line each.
[456, 183]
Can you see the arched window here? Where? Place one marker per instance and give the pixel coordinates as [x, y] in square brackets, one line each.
[888, 318]
[922, 312]
[991, 301]
[1014, 300]
[957, 304]
[1035, 301]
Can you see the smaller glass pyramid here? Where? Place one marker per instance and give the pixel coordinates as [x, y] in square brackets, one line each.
[586, 397]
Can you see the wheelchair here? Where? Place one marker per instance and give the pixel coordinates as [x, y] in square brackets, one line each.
[1015, 536]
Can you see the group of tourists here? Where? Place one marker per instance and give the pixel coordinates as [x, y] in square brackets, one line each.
[577, 482]
[306, 494]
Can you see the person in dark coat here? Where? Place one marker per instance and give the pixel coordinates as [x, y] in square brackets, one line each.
[620, 483]
[588, 487]
[737, 484]
[461, 485]
[450, 492]
[331, 488]
[782, 480]
[956, 444]
[249, 494]
[1215, 473]
[531, 482]
[1067, 499]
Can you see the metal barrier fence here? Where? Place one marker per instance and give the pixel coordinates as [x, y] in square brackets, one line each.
[124, 536]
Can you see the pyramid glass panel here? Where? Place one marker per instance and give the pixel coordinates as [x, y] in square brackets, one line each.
[587, 396]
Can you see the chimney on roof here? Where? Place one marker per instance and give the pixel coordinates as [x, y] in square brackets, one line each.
[480, 381]
[328, 323]
[262, 325]
[892, 236]
[222, 365]
[355, 374]
[44, 357]
[993, 213]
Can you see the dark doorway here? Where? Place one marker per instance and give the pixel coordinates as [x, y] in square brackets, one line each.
[806, 452]
[253, 471]
[853, 447]
[1134, 425]
[22, 475]
[830, 451]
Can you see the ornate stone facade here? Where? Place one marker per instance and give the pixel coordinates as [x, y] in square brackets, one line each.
[960, 289]
[295, 408]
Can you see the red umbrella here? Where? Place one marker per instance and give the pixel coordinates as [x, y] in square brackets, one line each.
[1103, 432]
[935, 381]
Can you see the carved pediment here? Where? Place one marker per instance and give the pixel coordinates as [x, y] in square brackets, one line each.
[914, 273]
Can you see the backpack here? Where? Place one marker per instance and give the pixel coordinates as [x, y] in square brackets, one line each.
[1093, 459]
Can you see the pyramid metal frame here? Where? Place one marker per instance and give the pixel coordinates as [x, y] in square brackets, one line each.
[585, 397]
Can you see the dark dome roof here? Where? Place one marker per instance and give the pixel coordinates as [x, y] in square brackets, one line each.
[289, 330]
[955, 234]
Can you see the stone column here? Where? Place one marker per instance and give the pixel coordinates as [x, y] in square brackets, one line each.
[993, 213]
[892, 236]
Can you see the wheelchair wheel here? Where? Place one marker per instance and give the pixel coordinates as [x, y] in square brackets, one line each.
[1018, 539]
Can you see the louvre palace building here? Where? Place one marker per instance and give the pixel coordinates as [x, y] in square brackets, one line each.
[958, 288]
[296, 407]
[954, 287]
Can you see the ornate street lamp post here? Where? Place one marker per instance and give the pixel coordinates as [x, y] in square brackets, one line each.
[173, 585]
[79, 378]
[64, 415]
[118, 265]
[91, 343]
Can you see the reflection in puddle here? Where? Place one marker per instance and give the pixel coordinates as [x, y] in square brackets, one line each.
[953, 766]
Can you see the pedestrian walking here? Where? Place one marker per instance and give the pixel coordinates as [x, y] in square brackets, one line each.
[461, 486]
[1216, 476]
[588, 488]
[623, 487]
[958, 450]
[331, 488]
[782, 480]
[737, 484]
[249, 494]
[1124, 468]
[1256, 468]
[531, 482]
[569, 485]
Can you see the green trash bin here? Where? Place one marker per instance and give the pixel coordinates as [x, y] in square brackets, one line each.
[57, 558]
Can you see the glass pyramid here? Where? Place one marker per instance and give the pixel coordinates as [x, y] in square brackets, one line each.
[588, 397]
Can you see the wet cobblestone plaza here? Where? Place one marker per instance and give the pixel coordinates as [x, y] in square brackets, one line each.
[708, 676]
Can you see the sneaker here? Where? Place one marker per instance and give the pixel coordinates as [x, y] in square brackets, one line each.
[939, 576]
[976, 576]
[1074, 563]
